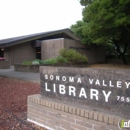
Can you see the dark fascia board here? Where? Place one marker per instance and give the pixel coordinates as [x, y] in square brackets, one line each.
[26, 38]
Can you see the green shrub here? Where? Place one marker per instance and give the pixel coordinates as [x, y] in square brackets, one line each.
[27, 63]
[66, 56]
[36, 62]
[84, 58]
[72, 55]
[61, 59]
[49, 61]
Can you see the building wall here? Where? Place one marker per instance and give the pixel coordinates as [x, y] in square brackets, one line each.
[95, 54]
[99, 54]
[72, 44]
[19, 53]
[4, 65]
[6, 54]
[50, 48]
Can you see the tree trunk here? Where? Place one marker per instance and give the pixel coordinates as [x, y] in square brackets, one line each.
[122, 54]
[124, 59]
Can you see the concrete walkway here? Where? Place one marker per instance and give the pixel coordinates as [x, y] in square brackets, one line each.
[35, 77]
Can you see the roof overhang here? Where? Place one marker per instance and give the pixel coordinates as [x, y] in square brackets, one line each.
[18, 40]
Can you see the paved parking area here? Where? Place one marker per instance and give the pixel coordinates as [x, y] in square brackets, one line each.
[35, 77]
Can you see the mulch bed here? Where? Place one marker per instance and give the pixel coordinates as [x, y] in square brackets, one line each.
[13, 103]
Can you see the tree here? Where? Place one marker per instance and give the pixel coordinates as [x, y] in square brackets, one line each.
[107, 21]
[86, 2]
[78, 29]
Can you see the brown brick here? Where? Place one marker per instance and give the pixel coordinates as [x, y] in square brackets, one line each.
[78, 111]
[83, 123]
[106, 118]
[38, 108]
[42, 118]
[65, 122]
[50, 117]
[30, 107]
[74, 110]
[98, 123]
[50, 125]
[86, 113]
[78, 127]
[30, 99]
[91, 114]
[41, 121]
[95, 116]
[111, 120]
[100, 116]
[59, 128]
[64, 113]
[36, 100]
[51, 113]
[54, 122]
[53, 105]
[62, 107]
[34, 106]
[33, 100]
[42, 111]
[30, 110]
[50, 104]
[65, 127]
[59, 106]
[43, 102]
[101, 127]
[47, 103]
[82, 112]
[58, 116]
[40, 101]
[32, 114]
[97, 127]
[66, 108]
[114, 127]
[68, 118]
[56, 106]
[70, 109]
[31, 103]
[116, 120]
[80, 118]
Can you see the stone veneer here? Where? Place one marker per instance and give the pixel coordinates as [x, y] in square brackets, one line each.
[26, 68]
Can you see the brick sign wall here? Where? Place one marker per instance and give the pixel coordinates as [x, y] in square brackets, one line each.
[101, 90]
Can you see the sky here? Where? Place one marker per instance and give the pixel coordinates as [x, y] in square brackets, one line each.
[22, 17]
